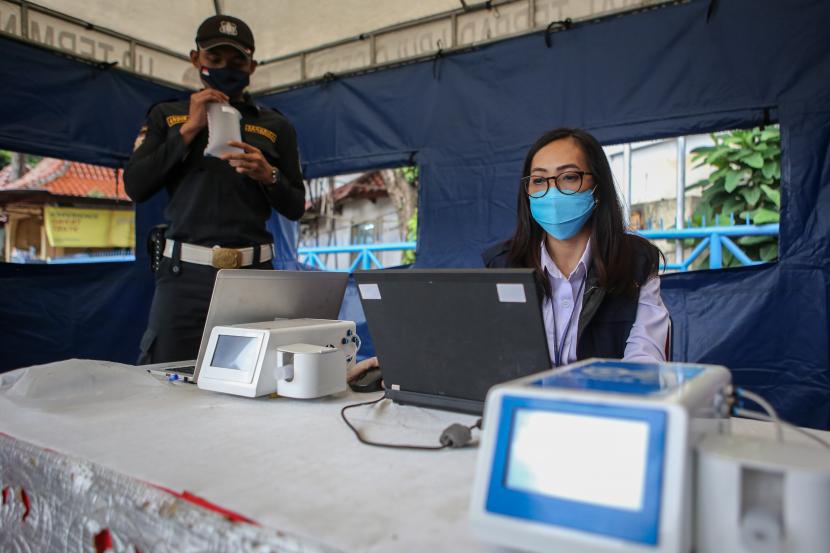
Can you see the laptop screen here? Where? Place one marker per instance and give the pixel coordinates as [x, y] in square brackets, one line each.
[454, 332]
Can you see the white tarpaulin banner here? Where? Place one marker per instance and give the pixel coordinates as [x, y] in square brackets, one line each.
[295, 41]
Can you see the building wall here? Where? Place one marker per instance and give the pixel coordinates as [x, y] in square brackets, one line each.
[654, 176]
[27, 234]
[361, 221]
[25, 240]
[653, 202]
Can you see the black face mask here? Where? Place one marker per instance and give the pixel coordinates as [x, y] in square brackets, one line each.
[226, 79]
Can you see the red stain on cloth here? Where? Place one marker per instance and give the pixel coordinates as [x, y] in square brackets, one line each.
[102, 541]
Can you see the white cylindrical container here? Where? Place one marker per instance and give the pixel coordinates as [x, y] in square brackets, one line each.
[761, 496]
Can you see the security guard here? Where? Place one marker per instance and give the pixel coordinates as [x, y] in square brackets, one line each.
[218, 207]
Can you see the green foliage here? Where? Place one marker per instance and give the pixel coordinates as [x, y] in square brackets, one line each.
[6, 158]
[745, 180]
[410, 174]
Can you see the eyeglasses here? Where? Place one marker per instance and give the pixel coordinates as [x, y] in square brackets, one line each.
[569, 182]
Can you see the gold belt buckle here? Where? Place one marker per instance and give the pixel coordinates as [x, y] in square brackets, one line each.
[226, 258]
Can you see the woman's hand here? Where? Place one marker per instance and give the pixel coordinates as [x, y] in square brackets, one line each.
[358, 369]
[250, 163]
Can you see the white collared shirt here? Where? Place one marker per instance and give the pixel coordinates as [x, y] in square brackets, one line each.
[647, 340]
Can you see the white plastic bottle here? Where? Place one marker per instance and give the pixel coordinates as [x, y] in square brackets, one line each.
[223, 126]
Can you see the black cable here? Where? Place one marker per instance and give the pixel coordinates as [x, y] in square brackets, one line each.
[117, 199]
[766, 121]
[435, 60]
[450, 437]
[711, 9]
[561, 25]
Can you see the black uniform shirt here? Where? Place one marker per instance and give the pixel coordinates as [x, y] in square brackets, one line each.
[209, 202]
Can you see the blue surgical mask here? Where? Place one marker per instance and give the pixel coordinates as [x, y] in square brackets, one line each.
[226, 79]
[562, 215]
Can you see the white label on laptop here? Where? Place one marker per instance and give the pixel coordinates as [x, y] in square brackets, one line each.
[511, 293]
[370, 291]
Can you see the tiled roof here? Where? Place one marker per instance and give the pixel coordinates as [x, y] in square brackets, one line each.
[369, 185]
[70, 178]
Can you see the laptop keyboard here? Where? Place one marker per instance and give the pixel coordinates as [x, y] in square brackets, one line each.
[187, 369]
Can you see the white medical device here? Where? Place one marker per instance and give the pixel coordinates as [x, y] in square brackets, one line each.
[302, 358]
[595, 457]
[761, 496]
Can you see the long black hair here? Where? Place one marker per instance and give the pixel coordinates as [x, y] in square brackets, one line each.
[621, 261]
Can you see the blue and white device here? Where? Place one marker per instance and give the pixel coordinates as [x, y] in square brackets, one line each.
[595, 457]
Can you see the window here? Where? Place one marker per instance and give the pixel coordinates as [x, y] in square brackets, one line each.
[725, 184]
[58, 211]
[351, 220]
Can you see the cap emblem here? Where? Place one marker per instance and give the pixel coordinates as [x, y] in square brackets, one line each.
[228, 28]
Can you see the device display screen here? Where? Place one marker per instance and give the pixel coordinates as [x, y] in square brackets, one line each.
[235, 352]
[590, 459]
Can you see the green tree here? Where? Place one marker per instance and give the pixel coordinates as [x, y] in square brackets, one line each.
[411, 174]
[411, 236]
[6, 158]
[746, 181]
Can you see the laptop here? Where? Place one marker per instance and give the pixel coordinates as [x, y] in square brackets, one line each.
[257, 295]
[444, 337]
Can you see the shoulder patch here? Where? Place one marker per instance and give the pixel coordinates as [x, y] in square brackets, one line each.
[140, 138]
[176, 119]
[262, 131]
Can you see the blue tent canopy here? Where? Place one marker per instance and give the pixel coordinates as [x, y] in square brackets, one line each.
[467, 119]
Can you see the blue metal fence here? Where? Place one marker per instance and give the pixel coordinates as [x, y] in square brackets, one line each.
[366, 258]
[714, 239]
[94, 257]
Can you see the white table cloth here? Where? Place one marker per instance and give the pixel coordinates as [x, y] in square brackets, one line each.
[96, 455]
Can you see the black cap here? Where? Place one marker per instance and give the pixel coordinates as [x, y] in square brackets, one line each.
[225, 30]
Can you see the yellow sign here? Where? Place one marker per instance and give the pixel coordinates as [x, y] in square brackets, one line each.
[72, 227]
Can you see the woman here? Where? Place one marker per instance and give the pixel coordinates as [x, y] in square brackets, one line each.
[602, 294]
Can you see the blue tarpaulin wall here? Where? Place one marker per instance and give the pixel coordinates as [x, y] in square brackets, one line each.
[467, 119]
[56, 106]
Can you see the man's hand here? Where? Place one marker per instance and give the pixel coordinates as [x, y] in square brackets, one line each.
[197, 118]
[250, 163]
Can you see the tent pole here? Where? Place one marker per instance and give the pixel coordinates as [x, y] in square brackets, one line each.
[24, 20]
[681, 195]
[627, 164]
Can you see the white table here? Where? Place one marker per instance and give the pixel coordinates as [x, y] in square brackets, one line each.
[91, 442]
[290, 465]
